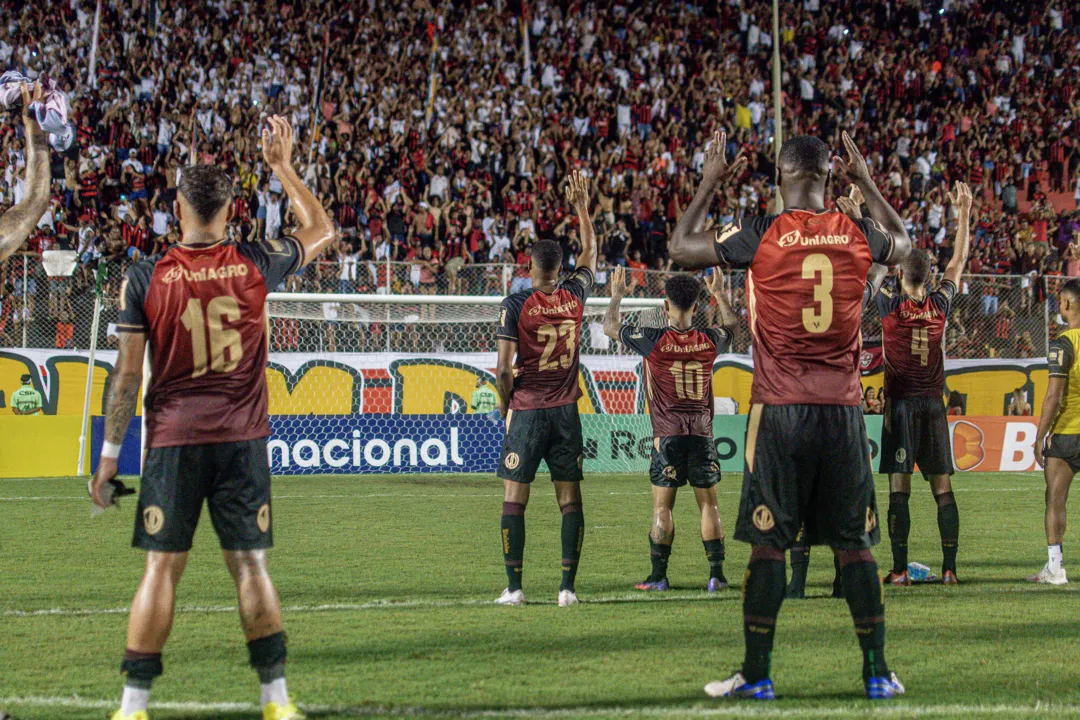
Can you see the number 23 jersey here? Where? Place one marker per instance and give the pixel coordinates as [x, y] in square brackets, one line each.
[547, 329]
[804, 291]
[203, 309]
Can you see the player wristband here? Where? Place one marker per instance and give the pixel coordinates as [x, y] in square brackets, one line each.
[110, 450]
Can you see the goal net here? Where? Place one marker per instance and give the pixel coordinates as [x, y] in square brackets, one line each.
[406, 384]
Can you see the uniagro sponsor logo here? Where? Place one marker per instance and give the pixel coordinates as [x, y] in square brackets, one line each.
[202, 275]
[365, 452]
[795, 237]
[563, 309]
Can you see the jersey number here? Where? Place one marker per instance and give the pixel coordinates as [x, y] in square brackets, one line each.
[920, 344]
[814, 321]
[689, 379]
[550, 335]
[222, 340]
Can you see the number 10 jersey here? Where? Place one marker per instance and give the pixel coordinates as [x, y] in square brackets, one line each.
[547, 329]
[203, 310]
[804, 291]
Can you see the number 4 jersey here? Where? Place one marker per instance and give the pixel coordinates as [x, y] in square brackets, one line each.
[804, 291]
[547, 329]
[912, 334]
[678, 376]
[203, 309]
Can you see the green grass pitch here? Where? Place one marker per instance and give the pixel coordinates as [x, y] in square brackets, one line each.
[387, 584]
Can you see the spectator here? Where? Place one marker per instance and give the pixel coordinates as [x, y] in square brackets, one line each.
[26, 400]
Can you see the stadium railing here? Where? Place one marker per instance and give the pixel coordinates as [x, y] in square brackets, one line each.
[994, 316]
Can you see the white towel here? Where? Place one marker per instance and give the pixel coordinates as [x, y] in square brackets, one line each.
[51, 111]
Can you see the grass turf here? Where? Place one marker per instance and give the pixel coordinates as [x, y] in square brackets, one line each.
[387, 584]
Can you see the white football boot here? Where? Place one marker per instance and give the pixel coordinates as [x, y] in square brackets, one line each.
[1050, 578]
[567, 598]
[516, 597]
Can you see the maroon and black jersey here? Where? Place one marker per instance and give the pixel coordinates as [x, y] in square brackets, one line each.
[913, 334]
[203, 309]
[678, 376]
[804, 290]
[547, 329]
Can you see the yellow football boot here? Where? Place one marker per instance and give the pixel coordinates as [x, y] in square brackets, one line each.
[273, 711]
[139, 715]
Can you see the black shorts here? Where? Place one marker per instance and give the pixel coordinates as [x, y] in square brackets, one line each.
[684, 459]
[807, 465]
[552, 435]
[916, 430]
[1065, 447]
[234, 480]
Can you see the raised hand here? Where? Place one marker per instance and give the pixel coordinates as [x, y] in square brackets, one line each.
[577, 191]
[960, 197]
[854, 169]
[31, 94]
[714, 282]
[716, 168]
[277, 142]
[620, 284]
[851, 204]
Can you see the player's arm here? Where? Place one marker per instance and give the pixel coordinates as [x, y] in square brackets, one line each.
[504, 374]
[961, 199]
[124, 383]
[20, 220]
[690, 246]
[316, 231]
[1059, 359]
[883, 215]
[619, 287]
[715, 285]
[577, 194]
[874, 279]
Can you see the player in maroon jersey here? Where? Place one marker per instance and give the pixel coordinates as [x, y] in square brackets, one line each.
[678, 378]
[916, 429]
[201, 309]
[539, 340]
[807, 454]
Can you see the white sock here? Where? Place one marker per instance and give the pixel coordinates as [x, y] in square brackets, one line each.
[135, 699]
[275, 692]
[1054, 551]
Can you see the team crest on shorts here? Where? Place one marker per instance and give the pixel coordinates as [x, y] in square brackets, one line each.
[263, 518]
[714, 468]
[669, 472]
[153, 520]
[763, 518]
[901, 455]
[871, 519]
[512, 461]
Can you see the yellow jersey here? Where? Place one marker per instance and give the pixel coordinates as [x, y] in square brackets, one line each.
[1062, 361]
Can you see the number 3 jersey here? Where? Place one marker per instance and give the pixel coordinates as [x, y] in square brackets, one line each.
[804, 291]
[912, 334]
[547, 329]
[678, 376]
[203, 310]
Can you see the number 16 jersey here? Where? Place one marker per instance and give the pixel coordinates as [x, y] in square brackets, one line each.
[547, 329]
[203, 310]
[804, 291]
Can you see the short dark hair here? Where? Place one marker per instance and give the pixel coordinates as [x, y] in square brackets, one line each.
[682, 291]
[25, 379]
[804, 154]
[547, 256]
[917, 267]
[207, 189]
[1072, 287]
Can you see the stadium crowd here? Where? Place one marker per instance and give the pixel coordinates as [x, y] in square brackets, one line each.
[446, 196]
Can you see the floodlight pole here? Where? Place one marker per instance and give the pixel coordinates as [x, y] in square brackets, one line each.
[89, 381]
[778, 116]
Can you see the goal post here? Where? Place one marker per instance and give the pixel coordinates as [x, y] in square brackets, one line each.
[406, 384]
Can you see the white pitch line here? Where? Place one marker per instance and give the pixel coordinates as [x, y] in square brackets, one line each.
[721, 709]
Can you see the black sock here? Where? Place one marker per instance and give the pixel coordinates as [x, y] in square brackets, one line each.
[267, 656]
[863, 592]
[573, 532]
[714, 551]
[800, 561]
[838, 578]
[899, 528]
[513, 542]
[141, 668]
[763, 594]
[659, 554]
[948, 522]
